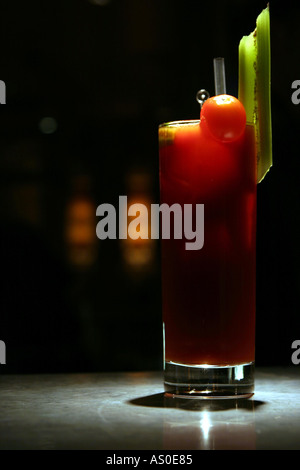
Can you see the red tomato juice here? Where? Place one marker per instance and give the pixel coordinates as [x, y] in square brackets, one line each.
[209, 294]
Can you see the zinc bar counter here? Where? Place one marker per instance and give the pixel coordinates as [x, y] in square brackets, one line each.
[128, 411]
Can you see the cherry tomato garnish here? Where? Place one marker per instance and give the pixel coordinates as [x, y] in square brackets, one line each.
[223, 117]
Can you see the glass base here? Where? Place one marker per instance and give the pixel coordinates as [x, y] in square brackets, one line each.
[209, 382]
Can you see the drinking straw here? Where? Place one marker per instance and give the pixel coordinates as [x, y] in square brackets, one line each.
[219, 75]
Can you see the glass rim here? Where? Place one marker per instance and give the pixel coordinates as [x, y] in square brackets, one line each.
[189, 122]
[179, 123]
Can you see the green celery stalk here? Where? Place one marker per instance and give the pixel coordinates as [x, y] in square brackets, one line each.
[255, 88]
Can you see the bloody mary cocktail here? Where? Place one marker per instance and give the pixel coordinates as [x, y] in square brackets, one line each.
[209, 294]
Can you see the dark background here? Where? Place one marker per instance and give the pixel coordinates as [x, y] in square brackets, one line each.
[87, 84]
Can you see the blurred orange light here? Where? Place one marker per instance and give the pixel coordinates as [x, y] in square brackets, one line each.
[138, 254]
[80, 233]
